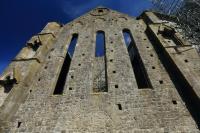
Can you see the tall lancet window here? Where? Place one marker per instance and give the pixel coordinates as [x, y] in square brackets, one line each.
[141, 76]
[66, 65]
[100, 69]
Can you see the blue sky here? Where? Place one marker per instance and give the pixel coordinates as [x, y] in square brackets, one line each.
[21, 19]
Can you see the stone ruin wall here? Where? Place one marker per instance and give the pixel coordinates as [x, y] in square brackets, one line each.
[152, 85]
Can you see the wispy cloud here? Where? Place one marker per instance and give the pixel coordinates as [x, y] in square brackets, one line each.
[76, 8]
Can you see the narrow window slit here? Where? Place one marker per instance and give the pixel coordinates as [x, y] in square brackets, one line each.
[8, 83]
[141, 76]
[174, 101]
[19, 124]
[100, 10]
[100, 44]
[36, 45]
[186, 61]
[160, 81]
[100, 66]
[66, 65]
[119, 106]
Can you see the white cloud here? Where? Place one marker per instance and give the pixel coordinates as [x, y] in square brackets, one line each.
[74, 9]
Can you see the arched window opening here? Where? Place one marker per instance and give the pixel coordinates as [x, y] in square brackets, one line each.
[100, 44]
[65, 67]
[141, 76]
[100, 67]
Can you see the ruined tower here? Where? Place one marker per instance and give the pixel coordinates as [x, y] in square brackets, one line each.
[103, 72]
[187, 14]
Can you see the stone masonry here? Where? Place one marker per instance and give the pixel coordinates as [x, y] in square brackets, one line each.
[151, 85]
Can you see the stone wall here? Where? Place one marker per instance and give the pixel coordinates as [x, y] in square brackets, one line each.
[170, 105]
